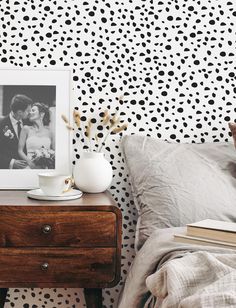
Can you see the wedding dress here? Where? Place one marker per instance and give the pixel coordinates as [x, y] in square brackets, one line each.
[34, 143]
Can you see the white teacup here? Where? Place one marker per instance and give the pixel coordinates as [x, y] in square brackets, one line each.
[54, 184]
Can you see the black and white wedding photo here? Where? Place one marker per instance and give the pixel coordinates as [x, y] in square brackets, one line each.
[27, 126]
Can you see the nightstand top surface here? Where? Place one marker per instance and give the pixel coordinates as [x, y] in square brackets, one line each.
[19, 198]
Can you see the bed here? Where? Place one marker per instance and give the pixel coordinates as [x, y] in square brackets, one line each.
[172, 185]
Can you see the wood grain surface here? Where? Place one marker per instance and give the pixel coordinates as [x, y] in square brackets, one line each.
[31, 227]
[74, 243]
[86, 267]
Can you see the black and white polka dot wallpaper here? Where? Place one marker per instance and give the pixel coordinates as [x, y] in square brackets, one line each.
[172, 63]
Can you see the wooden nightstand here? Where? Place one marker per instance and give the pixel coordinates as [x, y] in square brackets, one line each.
[69, 244]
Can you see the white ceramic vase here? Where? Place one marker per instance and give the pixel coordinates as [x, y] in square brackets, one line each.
[92, 173]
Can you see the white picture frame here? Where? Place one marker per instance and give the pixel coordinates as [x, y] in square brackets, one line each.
[51, 79]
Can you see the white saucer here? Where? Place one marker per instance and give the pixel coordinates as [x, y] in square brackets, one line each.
[39, 195]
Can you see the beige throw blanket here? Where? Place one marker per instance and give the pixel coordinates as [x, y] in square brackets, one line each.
[198, 279]
[166, 274]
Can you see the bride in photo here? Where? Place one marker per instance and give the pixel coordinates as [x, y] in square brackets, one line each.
[38, 139]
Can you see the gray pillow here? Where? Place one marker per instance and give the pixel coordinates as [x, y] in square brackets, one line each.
[175, 184]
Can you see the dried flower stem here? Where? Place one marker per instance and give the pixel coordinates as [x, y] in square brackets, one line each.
[88, 132]
[104, 141]
[97, 141]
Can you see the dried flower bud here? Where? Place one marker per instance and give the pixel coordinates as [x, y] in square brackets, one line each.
[106, 117]
[76, 116]
[69, 127]
[119, 129]
[114, 120]
[64, 118]
[88, 128]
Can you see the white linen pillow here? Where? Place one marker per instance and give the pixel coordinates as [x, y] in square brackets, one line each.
[175, 184]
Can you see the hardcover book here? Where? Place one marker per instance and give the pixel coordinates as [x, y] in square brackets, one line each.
[213, 229]
[202, 241]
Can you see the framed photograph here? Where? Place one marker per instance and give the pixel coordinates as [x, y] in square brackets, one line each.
[33, 136]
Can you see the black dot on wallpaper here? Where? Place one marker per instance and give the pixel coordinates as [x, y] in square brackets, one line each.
[223, 53]
[211, 102]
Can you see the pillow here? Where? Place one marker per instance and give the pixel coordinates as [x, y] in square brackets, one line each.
[175, 184]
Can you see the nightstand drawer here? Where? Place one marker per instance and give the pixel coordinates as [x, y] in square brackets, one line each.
[36, 227]
[87, 267]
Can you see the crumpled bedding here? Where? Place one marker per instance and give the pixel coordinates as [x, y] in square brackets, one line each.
[167, 274]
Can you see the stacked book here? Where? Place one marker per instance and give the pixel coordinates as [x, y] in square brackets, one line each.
[210, 232]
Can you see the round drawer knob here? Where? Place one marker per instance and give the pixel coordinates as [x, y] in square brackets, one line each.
[47, 229]
[44, 266]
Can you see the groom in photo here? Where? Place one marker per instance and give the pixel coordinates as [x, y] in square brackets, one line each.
[10, 128]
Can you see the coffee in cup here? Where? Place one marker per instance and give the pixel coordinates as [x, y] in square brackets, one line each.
[54, 184]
